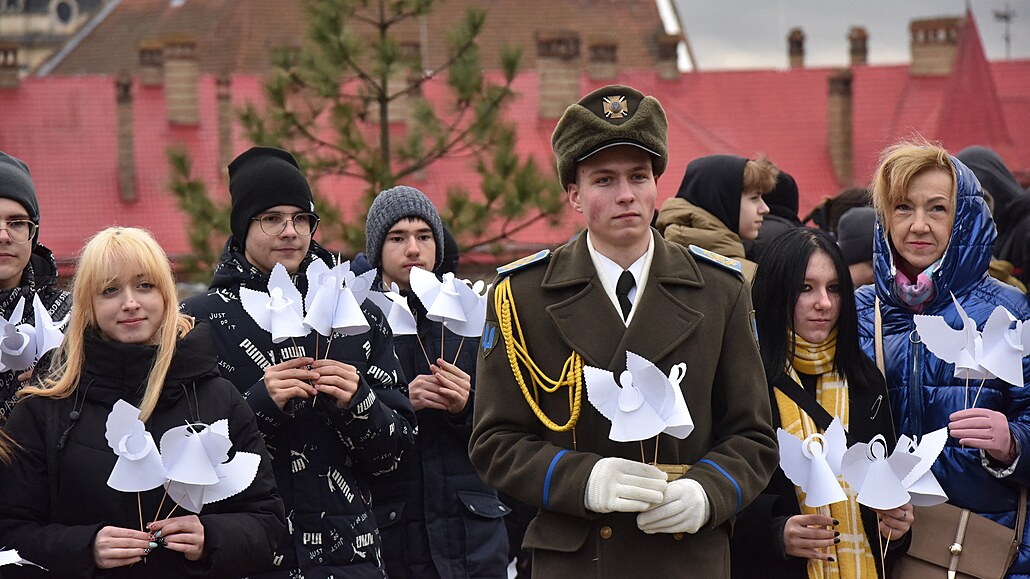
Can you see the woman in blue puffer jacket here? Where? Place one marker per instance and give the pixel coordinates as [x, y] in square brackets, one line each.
[934, 236]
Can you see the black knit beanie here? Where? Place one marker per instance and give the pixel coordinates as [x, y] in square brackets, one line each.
[16, 184]
[855, 234]
[391, 206]
[260, 178]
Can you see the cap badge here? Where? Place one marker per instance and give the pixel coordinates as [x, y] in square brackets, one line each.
[615, 107]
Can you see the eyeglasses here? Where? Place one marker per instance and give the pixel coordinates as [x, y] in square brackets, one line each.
[275, 223]
[19, 230]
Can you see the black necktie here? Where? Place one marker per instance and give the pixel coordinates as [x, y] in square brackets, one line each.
[626, 283]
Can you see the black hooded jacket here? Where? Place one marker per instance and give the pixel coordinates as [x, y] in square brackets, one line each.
[39, 276]
[1011, 208]
[715, 183]
[325, 457]
[56, 497]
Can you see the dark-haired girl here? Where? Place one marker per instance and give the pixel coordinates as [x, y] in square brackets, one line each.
[808, 334]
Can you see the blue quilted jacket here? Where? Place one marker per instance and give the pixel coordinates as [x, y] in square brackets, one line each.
[924, 390]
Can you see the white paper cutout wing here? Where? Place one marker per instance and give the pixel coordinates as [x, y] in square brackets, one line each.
[200, 474]
[875, 476]
[963, 348]
[813, 464]
[439, 296]
[631, 416]
[315, 273]
[139, 466]
[280, 311]
[473, 303]
[49, 334]
[11, 557]
[1005, 348]
[16, 349]
[664, 393]
[923, 488]
[395, 308]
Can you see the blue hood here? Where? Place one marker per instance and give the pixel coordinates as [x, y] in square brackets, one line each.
[971, 245]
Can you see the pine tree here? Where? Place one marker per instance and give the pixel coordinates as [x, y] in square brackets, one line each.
[331, 102]
[209, 222]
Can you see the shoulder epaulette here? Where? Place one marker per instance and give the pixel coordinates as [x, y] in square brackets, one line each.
[539, 257]
[718, 259]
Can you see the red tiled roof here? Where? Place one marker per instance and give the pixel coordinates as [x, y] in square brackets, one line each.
[65, 128]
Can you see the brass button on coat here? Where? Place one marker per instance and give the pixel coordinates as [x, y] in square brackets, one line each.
[606, 532]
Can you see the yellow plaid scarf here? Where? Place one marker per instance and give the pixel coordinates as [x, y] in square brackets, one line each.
[853, 555]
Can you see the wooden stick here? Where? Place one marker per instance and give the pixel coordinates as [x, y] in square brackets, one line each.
[966, 405]
[172, 511]
[424, 353]
[162, 504]
[643, 458]
[139, 505]
[458, 353]
[443, 332]
[978, 390]
[656, 439]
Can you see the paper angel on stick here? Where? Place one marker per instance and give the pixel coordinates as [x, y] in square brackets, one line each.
[877, 477]
[280, 311]
[963, 348]
[1005, 347]
[473, 298]
[814, 463]
[139, 466]
[644, 403]
[334, 299]
[195, 462]
[16, 349]
[395, 308]
[922, 485]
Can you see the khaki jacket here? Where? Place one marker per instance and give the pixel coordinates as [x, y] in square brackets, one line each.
[690, 311]
[684, 223]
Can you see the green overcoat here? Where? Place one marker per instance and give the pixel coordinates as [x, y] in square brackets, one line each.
[691, 310]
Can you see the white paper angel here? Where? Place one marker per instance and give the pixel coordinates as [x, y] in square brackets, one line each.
[473, 298]
[334, 299]
[16, 349]
[876, 476]
[395, 308]
[195, 463]
[280, 311]
[440, 297]
[47, 334]
[11, 557]
[139, 466]
[814, 463]
[963, 348]
[647, 403]
[922, 485]
[1004, 347]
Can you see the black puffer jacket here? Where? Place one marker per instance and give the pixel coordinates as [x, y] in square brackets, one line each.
[40, 276]
[436, 516]
[325, 458]
[56, 497]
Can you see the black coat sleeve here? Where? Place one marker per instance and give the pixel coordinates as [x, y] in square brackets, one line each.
[65, 550]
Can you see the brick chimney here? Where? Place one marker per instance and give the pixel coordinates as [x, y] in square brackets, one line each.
[558, 71]
[604, 56]
[126, 140]
[796, 48]
[9, 73]
[858, 39]
[223, 94]
[934, 43]
[840, 123]
[668, 56]
[151, 62]
[181, 76]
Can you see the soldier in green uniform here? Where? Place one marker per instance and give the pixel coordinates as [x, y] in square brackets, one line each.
[605, 509]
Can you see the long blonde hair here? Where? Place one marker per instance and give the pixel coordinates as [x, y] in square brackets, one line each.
[113, 254]
[899, 164]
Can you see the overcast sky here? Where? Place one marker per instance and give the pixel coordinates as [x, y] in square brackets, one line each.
[753, 33]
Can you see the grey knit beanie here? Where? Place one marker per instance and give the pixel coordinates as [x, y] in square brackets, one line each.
[389, 207]
[16, 184]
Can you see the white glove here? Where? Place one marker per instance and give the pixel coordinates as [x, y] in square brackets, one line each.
[684, 509]
[617, 484]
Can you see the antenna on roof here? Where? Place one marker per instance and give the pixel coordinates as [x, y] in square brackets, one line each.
[1006, 16]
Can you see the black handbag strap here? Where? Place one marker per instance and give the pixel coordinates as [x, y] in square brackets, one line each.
[804, 399]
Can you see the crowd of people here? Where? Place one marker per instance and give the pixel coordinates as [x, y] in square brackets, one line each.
[432, 454]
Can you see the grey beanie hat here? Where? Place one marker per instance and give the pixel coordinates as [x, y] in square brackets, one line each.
[16, 184]
[389, 207]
